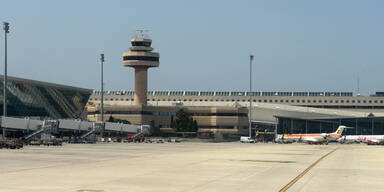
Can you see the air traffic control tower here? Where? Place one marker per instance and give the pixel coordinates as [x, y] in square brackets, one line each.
[141, 58]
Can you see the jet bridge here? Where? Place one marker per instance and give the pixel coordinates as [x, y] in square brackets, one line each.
[83, 128]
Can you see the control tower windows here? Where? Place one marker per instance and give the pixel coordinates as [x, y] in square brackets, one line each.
[141, 58]
[141, 43]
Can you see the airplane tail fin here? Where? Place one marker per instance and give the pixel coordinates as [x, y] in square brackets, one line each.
[340, 130]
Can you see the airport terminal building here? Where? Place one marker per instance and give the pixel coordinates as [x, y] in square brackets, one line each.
[30, 98]
[284, 112]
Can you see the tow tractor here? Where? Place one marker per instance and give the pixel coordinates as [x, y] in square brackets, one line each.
[139, 137]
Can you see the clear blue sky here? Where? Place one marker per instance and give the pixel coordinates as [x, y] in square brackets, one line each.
[299, 45]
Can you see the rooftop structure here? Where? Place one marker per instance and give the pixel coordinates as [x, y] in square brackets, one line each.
[337, 100]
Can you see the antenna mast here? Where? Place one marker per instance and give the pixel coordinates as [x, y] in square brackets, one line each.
[141, 33]
[358, 86]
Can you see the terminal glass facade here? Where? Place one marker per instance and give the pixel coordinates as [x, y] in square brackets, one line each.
[32, 98]
[361, 126]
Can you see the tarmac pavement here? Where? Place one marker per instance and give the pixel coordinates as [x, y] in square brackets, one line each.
[191, 166]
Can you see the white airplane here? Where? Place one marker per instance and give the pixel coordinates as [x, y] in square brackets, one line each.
[361, 138]
[312, 138]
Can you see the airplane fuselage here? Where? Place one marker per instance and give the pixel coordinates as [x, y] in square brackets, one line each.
[362, 138]
[312, 137]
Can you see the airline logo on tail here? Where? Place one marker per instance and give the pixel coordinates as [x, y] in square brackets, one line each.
[339, 131]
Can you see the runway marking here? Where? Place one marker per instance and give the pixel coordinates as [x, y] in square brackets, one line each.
[286, 187]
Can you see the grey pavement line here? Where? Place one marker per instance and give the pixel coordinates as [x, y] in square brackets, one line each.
[286, 187]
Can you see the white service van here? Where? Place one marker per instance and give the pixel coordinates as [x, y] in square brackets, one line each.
[245, 139]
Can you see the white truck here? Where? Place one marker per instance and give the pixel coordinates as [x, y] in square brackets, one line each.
[245, 139]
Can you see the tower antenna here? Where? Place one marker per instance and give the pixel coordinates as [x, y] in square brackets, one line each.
[141, 33]
[358, 86]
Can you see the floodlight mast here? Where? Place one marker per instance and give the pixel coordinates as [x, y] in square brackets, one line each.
[6, 31]
[102, 88]
[250, 95]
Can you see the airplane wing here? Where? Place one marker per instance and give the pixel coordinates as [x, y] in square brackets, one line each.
[313, 139]
[375, 140]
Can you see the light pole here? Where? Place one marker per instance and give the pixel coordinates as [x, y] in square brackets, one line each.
[102, 95]
[250, 95]
[6, 31]
[102, 88]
